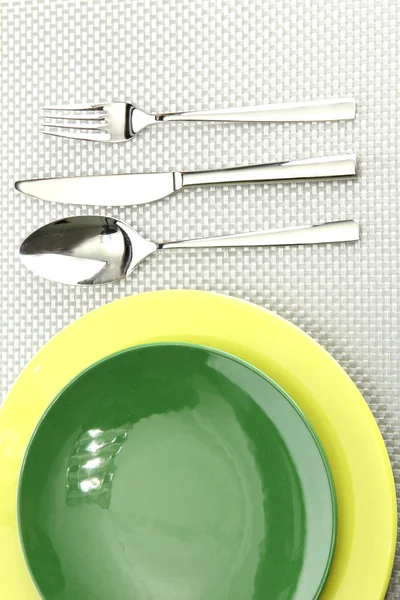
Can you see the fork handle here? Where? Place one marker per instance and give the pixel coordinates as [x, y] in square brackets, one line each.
[292, 170]
[317, 110]
[337, 231]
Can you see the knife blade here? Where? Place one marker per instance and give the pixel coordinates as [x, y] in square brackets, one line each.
[103, 190]
[140, 188]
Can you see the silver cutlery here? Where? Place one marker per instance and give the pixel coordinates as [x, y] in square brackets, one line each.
[139, 188]
[120, 121]
[90, 250]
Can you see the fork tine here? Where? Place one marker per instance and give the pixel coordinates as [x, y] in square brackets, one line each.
[90, 126]
[102, 136]
[84, 107]
[76, 117]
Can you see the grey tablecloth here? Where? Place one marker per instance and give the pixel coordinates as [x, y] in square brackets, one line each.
[170, 55]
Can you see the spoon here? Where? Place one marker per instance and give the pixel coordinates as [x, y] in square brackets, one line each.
[89, 250]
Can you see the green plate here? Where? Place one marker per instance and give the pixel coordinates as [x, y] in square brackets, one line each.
[176, 472]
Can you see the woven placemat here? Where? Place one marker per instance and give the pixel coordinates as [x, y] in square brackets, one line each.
[193, 54]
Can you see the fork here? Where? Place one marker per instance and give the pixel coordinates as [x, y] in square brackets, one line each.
[120, 121]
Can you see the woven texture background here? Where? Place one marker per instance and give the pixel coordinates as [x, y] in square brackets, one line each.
[167, 55]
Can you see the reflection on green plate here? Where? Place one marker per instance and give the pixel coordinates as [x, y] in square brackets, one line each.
[176, 472]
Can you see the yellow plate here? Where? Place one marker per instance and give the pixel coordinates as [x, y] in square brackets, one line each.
[341, 418]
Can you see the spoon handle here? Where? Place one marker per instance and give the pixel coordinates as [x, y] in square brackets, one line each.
[316, 110]
[337, 231]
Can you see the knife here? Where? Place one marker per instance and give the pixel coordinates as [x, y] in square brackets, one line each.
[140, 188]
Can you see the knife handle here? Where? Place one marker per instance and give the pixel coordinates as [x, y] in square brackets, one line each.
[311, 111]
[329, 167]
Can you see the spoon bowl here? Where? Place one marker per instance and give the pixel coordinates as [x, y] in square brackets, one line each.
[85, 250]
